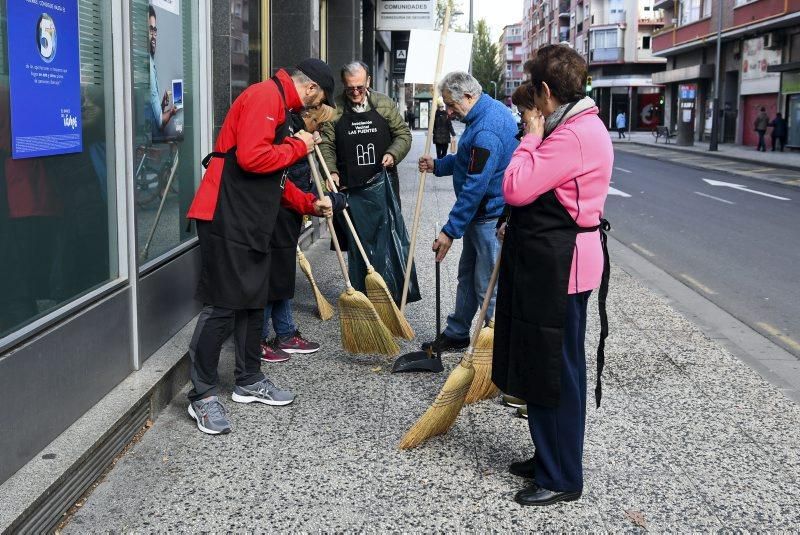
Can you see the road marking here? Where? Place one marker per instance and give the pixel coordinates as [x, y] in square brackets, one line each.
[697, 284]
[779, 335]
[715, 198]
[761, 169]
[621, 169]
[614, 191]
[642, 250]
[741, 187]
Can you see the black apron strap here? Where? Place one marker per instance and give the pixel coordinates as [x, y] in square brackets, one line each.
[605, 226]
[207, 159]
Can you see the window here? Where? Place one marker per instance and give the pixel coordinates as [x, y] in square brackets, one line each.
[646, 42]
[707, 8]
[605, 39]
[689, 11]
[58, 223]
[166, 136]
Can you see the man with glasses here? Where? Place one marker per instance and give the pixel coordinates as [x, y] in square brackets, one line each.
[161, 109]
[367, 133]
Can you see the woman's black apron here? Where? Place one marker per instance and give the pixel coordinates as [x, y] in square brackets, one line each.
[531, 304]
[236, 251]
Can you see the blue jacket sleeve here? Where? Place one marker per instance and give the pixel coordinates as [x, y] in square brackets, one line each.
[475, 185]
[444, 166]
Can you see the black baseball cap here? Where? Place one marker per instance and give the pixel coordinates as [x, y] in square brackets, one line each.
[321, 73]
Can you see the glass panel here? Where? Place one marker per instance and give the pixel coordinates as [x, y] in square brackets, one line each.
[166, 122]
[245, 45]
[58, 231]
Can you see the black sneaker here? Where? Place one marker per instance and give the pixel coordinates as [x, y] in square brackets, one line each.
[444, 344]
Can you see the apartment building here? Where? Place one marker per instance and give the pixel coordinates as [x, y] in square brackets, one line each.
[759, 64]
[615, 37]
[513, 54]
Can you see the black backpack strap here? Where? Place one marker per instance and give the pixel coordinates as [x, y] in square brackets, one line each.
[605, 226]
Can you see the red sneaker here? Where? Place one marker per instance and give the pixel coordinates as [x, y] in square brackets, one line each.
[297, 344]
[271, 353]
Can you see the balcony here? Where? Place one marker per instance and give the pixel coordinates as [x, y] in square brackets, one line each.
[650, 20]
[563, 9]
[607, 55]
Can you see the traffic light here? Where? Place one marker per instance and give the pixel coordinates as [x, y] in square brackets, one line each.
[588, 84]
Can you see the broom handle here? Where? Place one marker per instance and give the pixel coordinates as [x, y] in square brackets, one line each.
[329, 219]
[327, 173]
[422, 174]
[487, 298]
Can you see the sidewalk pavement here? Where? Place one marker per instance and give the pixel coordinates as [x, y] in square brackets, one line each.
[788, 159]
[687, 438]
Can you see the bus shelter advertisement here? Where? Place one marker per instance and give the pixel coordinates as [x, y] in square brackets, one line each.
[44, 77]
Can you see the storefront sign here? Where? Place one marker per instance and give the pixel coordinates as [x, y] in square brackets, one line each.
[688, 91]
[755, 60]
[44, 77]
[400, 15]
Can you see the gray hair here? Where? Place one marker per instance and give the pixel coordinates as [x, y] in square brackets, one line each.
[301, 78]
[458, 84]
[353, 68]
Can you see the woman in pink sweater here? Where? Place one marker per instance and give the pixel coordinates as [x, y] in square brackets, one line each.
[553, 257]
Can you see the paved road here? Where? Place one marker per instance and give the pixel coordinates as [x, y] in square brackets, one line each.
[739, 248]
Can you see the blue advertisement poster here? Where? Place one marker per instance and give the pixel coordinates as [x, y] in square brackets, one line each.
[44, 77]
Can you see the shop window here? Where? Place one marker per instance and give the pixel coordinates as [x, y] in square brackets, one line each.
[246, 42]
[57, 213]
[166, 122]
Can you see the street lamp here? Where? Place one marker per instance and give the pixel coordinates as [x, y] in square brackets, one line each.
[712, 145]
[495, 88]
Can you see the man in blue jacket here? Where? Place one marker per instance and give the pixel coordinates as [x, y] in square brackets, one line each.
[483, 153]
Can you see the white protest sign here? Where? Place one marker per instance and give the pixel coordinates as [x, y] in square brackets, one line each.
[422, 51]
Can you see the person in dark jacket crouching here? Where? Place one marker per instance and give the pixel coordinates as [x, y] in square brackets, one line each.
[553, 256]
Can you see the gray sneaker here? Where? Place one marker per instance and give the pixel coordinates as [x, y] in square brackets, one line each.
[262, 392]
[210, 415]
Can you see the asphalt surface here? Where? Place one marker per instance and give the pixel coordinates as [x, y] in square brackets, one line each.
[739, 246]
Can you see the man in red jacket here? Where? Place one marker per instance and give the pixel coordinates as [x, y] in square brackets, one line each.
[235, 209]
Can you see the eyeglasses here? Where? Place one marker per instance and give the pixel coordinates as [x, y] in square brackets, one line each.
[356, 90]
[153, 30]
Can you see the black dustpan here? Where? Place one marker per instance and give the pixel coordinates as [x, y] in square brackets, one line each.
[423, 361]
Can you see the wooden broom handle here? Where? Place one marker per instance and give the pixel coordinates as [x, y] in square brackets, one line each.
[327, 173]
[321, 194]
[487, 298]
[422, 174]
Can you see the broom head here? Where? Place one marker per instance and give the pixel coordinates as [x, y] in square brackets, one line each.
[324, 308]
[482, 386]
[441, 416]
[378, 293]
[362, 328]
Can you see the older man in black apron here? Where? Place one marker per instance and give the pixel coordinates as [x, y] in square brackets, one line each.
[235, 209]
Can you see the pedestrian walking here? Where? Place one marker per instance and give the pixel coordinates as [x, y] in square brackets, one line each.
[410, 117]
[552, 258]
[235, 210]
[443, 131]
[288, 340]
[780, 131]
[622, 123]
[760, 126]
[477, 168]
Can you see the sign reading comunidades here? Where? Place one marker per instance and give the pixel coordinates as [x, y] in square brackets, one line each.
[44, 77]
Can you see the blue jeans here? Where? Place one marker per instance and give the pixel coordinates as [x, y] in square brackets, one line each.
[281, 314]
[478, 255]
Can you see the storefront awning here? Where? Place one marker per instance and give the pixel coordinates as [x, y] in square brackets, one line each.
[784, 67]
[694, 72]
[623, 81]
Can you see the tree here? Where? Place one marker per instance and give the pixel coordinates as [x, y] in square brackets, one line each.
[455, 5]
[486, 64]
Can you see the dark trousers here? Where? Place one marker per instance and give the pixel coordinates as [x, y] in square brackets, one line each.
[214, 325]
[779, 140]
[558, 432]
[621, 132]
[441, 150]
[762, 145]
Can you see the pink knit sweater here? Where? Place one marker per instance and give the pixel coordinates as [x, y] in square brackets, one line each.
[575, 160]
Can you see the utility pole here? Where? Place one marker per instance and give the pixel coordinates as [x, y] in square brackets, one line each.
[471, 26]
[494, 86]
[712, 145]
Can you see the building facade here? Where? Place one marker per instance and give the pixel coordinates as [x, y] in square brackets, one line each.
[99, 264]
[759, 66]
[615, 37]
[512, 51]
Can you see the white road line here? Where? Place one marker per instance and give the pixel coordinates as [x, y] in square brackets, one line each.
[715, 198]
[642, 250]
[614, 191]
[779, 335]
[697, 284]
[760, 169]
[621, 169]
[741, 187]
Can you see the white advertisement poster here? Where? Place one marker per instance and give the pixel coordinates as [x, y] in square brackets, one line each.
[173, 6]
[402, 15]
[755, 60]
[423, 50]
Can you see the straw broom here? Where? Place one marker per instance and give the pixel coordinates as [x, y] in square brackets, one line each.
[362, 328]
[324, 308]
[442, 414]
[377, 291]
[482, 386]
